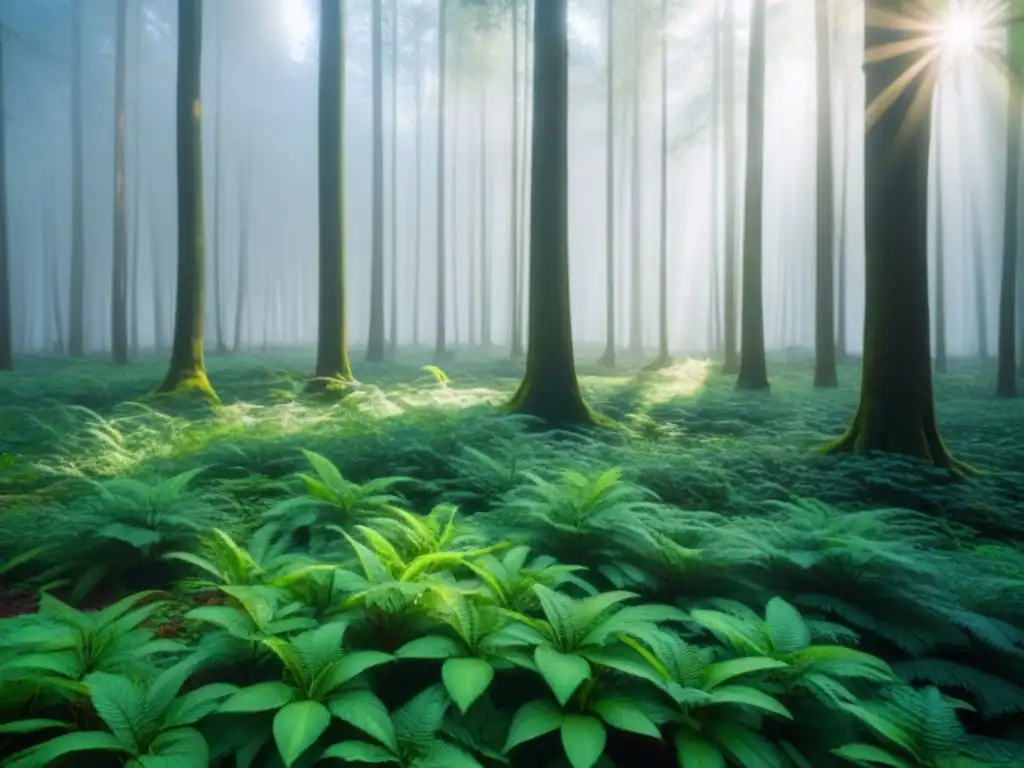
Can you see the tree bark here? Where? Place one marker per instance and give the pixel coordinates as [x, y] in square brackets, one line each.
[515, 323]
[896, 413]
[636, 315]
[393, 319]
[187, 370]
[714, 304]
[941, 356]
[242, 287]
[418, 226]
[732, 359]
[332, 361]
[663, 356]
[119, 274]
[1006, 377]
[549, 390]
[825, 332]
[608, 358]
[76, 308]
[753, 367]
[6, 315]
[485, 236]
[375, 339]
[441, 314]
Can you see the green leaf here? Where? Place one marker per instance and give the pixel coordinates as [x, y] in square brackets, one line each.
[177, 748]
[49, 752]
[261, 697]
[746, 696]
[866, 753]
[349, 666]
[626, 716]
[786, 628]
[716, 674]
[31, 726]
[466, 680]
[363, 710]
[232, 620]
[359, 752]
[297, 726]
[583, 739]
[121, 704]
[531, 721]
[694, 752]
[563, 672]
[430, 647]
[195, 705]
[885, 728]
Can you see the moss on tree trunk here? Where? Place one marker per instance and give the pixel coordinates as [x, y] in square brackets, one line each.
[896, 412]
[187, 371]
[550, 390]
[332, 362]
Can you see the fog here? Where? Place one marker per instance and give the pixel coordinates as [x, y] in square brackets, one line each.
[260, 86]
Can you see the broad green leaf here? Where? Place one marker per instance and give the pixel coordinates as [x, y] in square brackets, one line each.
[430, 647]
[348, 667]
[885, 728]
[49, 752]
[420, 718]
[531, 721]
[297, 726]
[193, 706]
[261, 697]
[31, 726]
[718, 673]
[866, 753]
[465, 680]
[121, 703]
[229, 619]
[748, 747]
[786, 628]
[563, 672]
[746, 696]
[626, 716]
[729, 628]
[363, 710]
[359, 752]
[177, 748]
[583, 739]
[694, 752]
[441, 754]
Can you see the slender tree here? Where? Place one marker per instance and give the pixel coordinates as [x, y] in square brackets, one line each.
[119, 276]
[76, 309]
[242, 282]
[418, 214]
[549, 390]
[217, 241]
[941, 199]
[6, 336]
[1006, 378]
[187, 369]
[753, 367]
[663, 356]
[332, 361]
[375, 339]
[824, 315]
[515, 322]
[393, 321]
[608, 358]
[729, 325]
[484, 229]
[896, 413]
[441, 314]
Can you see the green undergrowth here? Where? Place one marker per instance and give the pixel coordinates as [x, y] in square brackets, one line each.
[407, 576]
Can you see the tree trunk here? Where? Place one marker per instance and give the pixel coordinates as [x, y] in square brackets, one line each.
[454, 208]
[663, 357]
[76, 309]
[636, 315]
[941, 357]
[824, 327]
[242, 289]
[187, 370]
[119, 276]
[524, 173]
[896, 412]
[515, 323]
[732, 360]
[418, 227]
[54, 271]
[393, 320]
[440, 343]
[843, 236]
[714, 304]
[753, 367]
[332, 361]
[6, 315]
[549, 390]
[472, 212]
[155, 253]
[217, 240]
[485, 237]
[1006, 377]
[608, 358]
[136, 189]
[375, 339]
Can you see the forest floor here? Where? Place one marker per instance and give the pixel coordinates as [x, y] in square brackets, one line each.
[725, 500]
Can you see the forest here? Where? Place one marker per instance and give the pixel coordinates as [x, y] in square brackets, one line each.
[478, 383]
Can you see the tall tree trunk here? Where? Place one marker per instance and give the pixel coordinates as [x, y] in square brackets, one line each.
[242, 287]
[119, 276]
[896, 412]
[524, 171]
[980, 305]
[440, 343]
[136, 208]
[636, 315]
[418, 226]
[824, 326]
[393, 322]
[50, 240]
[549, 389]
[608, 358]
[76, 308]
[732, 360]
[843, 235]
[332, 338]
[472, 225]
[753, 367]
[714, 305]
[515, 323]
[453, 210]
[6, 315]
[375, 339]
[485, 235]
[187, 370]
[218, 173]
[663, 357]
[941, 357]
[155, 261]
[1006, 377]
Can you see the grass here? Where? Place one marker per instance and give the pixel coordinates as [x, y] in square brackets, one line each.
[701, 497]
